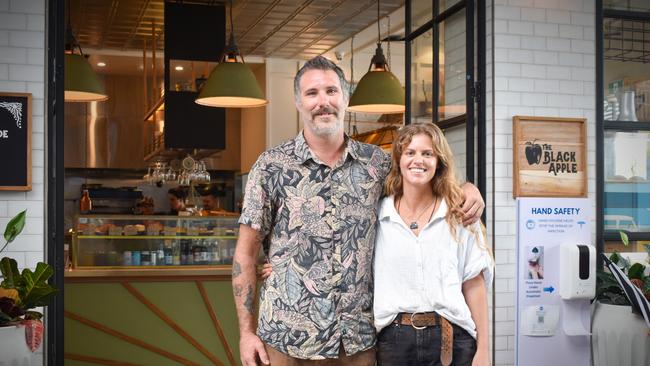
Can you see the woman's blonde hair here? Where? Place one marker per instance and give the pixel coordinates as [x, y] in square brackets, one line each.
[444, 183]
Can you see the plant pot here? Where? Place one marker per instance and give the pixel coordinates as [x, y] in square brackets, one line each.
[13, 348]
[619, 337]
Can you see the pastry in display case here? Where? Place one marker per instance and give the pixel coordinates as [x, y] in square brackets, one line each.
[126, 241]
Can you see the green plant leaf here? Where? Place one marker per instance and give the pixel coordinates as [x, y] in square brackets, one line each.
[33, 315]
[9, 269]
[608, 291]
[37, 292]
[636, 271]
[4, 318]
[15, 226]
[624, 238]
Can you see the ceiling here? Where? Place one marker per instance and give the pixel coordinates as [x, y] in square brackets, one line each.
[295, 29]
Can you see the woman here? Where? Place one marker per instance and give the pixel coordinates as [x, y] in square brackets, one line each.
[430, 296]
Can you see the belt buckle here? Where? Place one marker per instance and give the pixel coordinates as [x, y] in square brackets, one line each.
[413, 323]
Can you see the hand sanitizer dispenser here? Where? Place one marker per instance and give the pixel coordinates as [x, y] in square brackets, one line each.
[577, 271]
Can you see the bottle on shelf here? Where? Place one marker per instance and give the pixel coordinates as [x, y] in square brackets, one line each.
[176, 253]
[160, 254]
[214, 252]
[186, 252]
[145, 258]
[205, 252]
[85, 204]
[153, 254]
[167, 253]
[197, 251]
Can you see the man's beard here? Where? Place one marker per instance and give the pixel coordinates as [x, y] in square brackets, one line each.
[332, 128]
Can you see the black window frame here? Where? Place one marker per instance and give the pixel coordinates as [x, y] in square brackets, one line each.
[54, 234]
[475, 133]
[602, 126]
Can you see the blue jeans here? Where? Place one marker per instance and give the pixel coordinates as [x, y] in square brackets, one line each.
[402, 345]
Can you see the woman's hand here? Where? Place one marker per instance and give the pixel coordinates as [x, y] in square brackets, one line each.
[481, 358]
[267, 269]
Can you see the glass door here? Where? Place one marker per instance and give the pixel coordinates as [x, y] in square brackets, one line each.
[444, 54]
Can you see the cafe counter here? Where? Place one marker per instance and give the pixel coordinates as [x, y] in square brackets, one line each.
[151, 290]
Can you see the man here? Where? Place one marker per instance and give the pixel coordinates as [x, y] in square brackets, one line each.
[210, 197]
[176, 198]
[311, 202]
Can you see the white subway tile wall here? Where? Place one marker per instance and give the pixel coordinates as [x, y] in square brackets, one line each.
[544, 65]
[22, 69]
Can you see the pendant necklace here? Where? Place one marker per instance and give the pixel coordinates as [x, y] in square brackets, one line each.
[414, 224]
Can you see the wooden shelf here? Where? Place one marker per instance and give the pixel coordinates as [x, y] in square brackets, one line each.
[175, 237]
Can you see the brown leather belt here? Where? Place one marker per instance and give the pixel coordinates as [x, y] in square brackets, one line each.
[417, 320]
[423, 320]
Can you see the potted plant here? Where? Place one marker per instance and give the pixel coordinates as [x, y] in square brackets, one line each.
[21, 328]
[619, 336]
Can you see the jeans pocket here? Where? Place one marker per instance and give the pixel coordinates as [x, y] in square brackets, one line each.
[464, 347]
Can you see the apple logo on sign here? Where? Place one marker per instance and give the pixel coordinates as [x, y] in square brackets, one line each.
[533, 152]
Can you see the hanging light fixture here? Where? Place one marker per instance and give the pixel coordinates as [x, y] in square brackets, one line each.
[231, 84]
[378, 91]
[81, 82]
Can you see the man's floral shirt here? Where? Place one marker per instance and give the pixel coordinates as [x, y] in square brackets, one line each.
[319, 228]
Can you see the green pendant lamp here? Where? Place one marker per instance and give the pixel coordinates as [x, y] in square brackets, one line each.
[231, 84]
[81, 82]
[378, 91]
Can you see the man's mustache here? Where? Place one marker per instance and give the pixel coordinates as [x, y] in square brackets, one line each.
[325, 110]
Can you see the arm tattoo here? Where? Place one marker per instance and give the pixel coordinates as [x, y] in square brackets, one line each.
[248, 303]
[238, 290]
[236, 269]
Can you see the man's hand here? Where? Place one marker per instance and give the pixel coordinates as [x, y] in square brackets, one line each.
[251, 349]
[473, 205]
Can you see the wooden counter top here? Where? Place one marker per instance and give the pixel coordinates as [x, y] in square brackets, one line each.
[148, 274]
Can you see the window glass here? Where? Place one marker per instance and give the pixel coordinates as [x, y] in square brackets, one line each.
[452, 71]
[422, 78]
[632, 5]
[456, 136]
[627, 183]
[446, 4]
[421, 12]
[627, 75]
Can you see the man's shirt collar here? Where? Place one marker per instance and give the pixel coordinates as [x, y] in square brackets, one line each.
[303, 153]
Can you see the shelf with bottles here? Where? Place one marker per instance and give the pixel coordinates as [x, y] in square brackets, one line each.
[124, 241]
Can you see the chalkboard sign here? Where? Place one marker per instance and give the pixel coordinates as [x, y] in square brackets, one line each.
[16, 141]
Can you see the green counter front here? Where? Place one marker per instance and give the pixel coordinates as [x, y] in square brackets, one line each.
[175, 316]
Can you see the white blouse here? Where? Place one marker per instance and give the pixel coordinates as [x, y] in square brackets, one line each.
[425, 273]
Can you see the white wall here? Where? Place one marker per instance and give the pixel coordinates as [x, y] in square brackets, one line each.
[281, 116]
[22, 69]
[544, 65]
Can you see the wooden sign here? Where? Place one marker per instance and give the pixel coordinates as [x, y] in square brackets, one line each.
[549, 157]
[16, 141]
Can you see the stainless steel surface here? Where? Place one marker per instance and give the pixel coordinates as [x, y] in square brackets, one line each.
[266, 28]
[107, 134]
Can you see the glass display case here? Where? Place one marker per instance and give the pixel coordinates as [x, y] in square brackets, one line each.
[126, 241]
